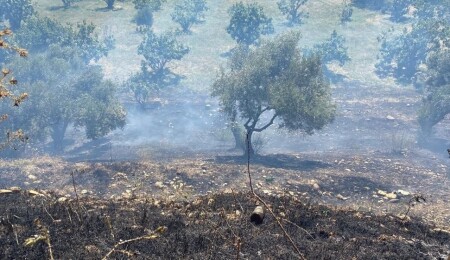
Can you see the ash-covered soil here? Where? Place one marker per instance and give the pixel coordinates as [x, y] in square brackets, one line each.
[347, 192]
[215, 226]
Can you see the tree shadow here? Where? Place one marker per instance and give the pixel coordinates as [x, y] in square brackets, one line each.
[62, 8]
[355, 185]
[103, 9]
[92, 150]
[275, 161]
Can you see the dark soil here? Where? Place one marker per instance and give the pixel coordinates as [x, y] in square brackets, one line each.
[208, 227]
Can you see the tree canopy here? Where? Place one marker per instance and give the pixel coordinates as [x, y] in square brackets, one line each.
[189, 12]
[65, 91]
[7, 91]
[37, 34]
[248, 22]
[402, 55]
[159, 50]
[15, 11]
[291, 9]
[275, 82]
[436, 103]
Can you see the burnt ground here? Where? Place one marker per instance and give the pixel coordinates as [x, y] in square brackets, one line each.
[346, 189]
[209, 227]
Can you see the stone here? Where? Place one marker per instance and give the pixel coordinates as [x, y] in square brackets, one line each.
[339, 196]
[403, 193]
[159, 184]
[316, 186]
[32, 177]
[391, 195]
[381, 192]
[62, 199]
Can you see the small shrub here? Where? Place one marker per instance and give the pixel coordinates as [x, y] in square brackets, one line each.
[144, 16]
[347, 12]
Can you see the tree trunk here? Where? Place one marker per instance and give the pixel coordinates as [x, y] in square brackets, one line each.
[59, 130]
[110, 4]
[248, 144]
[239, 136]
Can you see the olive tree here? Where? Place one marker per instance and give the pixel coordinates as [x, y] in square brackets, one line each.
[65, 91]
[159, 50]
[15, 11]
[248, 22]
[402, 55]
[38, 33]
[189, 12]
[7, 91]
[332, 49]
[291, 9]
[436, 103]
[275, 83]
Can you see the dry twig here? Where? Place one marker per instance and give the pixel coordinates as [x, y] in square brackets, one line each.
[301, 256]
[155, 234]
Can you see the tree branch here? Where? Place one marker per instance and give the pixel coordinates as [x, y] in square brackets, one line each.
[267, 125]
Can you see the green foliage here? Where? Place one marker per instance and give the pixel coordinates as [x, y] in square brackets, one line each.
[248, 22]
[333, 49]
[37, 34]
[144, 16]
[275, 82]
[154, 5]
[8, 90]
[291, 9]
[65, 91]
[142, 86]
[189, 12]
[15, 11]
[158, 50]
[399, 8]
[436, 104]
[402, 55]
